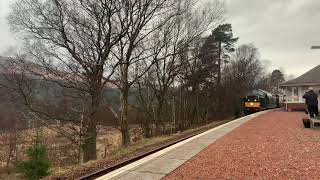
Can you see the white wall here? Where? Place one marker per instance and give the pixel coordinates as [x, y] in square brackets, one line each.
[299, 92]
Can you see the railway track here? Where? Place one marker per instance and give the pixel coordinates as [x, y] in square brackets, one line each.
[109, 169]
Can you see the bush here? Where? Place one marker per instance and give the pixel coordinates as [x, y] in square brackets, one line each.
[38, 164]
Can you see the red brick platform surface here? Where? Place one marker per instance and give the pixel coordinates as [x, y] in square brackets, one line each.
[274, 145]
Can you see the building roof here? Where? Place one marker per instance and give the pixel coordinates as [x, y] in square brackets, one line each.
[311, 77]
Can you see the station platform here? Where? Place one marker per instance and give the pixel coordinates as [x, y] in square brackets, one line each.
[267, 145]
[158, 165]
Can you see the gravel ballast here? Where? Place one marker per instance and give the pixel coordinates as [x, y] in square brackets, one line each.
[274, 145]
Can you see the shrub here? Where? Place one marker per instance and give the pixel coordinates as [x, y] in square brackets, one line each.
[38, 164]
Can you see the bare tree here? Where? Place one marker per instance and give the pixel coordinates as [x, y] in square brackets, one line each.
[70, 42]
[133, 47]
[246, 65]
[241, 75]
[137, 47]
[43, 103]
[9, 140]
[172, 44]
[79, 45]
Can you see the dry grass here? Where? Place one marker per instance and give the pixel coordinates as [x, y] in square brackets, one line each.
[120, 153]
[124, 153]
[62, 152]
[109, 149]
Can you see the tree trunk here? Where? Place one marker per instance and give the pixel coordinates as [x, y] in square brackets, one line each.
[179, 110]
[89, 145]
[124, 126]
[80, 153]
[219, 65]
[147, 129]
[159, 119]
[147, 122]
[197, 107]
[173, 114]
[184, 113]
[218, 108]
[194, 106]
[90, 131]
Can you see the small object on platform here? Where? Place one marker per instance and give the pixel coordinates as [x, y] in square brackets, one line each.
[314, 123]
[306, 122]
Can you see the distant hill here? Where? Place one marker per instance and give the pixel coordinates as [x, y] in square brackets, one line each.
[53, 93]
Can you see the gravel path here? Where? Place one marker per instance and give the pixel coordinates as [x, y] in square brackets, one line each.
[272, 146]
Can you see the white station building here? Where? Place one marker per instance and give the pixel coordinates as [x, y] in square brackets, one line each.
[294, 89]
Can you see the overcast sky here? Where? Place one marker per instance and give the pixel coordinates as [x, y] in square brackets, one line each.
[283, 30]
[6, 38]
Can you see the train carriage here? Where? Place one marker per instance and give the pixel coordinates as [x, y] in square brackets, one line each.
[258, 100]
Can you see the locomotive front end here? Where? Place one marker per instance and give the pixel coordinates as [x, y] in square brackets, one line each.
[252, 104]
